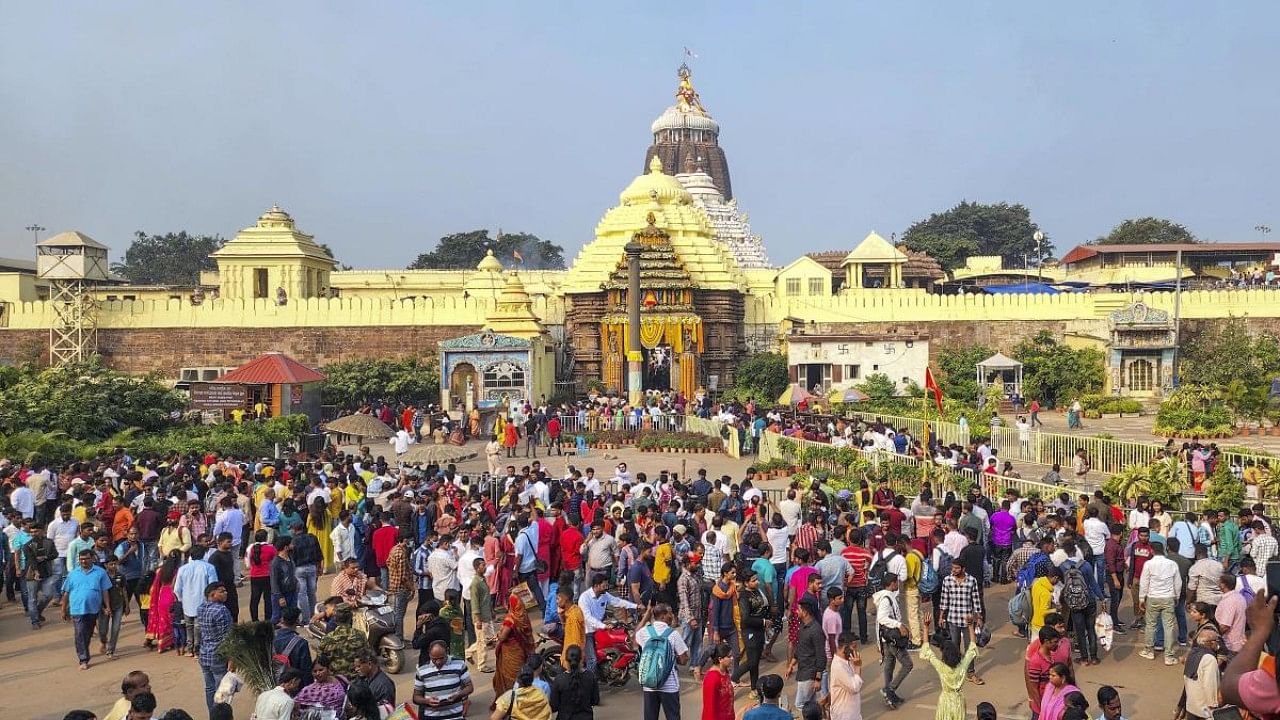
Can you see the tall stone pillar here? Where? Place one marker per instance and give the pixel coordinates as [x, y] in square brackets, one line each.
[635, 358]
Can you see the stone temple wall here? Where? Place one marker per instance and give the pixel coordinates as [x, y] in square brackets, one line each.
[168, 350]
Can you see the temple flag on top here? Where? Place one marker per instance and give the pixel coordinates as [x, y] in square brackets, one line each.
[516, 254]
[931, 386]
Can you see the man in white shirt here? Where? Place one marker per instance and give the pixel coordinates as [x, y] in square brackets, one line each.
[1158, 591]
[591, 482]
[23, 500]
[401, 441]
[666, 695]
[277, 703]
[593, 602]
[954, 542]
[343, 537]
[62, 530]
[621, 476]
[442, 565]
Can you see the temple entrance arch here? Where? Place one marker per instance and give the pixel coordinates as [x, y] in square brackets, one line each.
[464, 384]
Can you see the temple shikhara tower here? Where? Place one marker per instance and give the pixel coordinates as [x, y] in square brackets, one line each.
[687, 141]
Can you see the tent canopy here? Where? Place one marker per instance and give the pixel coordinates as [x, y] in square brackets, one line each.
[999, 361]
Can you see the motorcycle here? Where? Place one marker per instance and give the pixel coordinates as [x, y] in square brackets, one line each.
[373, 617]
[616, 657]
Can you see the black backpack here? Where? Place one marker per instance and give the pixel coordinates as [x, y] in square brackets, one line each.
[878, 574]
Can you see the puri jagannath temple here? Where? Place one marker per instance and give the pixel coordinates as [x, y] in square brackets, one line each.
[709, 295]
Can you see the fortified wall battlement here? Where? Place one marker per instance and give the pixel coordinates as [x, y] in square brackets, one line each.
[264, 313]
[870, 306]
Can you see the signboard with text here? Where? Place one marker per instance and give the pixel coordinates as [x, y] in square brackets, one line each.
[216, 396]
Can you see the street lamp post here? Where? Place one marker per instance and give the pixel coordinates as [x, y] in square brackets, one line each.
[35, 231]
[1039, 238]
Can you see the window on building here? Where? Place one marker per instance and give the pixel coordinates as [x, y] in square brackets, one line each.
[502, 375]
[852, 372]
[816, 286]
[793, 287]
[260, 282]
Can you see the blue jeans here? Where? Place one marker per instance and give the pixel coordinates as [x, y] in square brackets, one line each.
[39, 593]
[806, 690]
[109, 628]
[1180, 616]
[289, 599]
[84, 634]
[150, 555]
[212, 677]
[590, 651]
[306, 576]
[692, 638]
[400, 605]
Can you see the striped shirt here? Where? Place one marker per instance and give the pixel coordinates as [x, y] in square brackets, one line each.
[440, 682]
[421, 575]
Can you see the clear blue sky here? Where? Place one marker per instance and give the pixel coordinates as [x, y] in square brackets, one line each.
[382, 126]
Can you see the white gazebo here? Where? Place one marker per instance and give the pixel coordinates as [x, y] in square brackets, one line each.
[1002, 369]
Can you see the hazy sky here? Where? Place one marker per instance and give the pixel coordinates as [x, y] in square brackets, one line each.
[382, 126]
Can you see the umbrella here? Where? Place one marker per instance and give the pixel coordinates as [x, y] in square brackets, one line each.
[794, 395]
[439, 453]
[365, 426]
[848, 395]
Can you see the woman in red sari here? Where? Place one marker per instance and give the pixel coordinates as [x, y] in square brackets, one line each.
[717, 688]
[514, 646]
[159, 632]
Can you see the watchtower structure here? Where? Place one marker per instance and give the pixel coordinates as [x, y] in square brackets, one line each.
[72, 262]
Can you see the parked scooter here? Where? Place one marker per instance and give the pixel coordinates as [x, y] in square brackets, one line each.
[373, 618]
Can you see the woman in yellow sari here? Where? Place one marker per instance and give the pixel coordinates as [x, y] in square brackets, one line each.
[318, 524]
[514, 645]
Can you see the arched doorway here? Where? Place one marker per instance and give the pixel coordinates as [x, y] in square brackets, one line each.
[1141, 375]
[463, 380]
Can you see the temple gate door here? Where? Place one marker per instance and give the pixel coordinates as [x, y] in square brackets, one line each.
[464, 378]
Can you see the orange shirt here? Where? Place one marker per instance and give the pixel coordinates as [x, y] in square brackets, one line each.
[121, 523]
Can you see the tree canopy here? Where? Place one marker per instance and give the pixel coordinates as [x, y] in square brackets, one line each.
[84, 400]
[354, 383]
[959, 375]
[463, 251]
[762, 377]
[1054, 373]
[1147, 231]
[169, 259]
[972, 228]
[1226, 356]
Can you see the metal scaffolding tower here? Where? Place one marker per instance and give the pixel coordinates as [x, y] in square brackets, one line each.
[72, 262]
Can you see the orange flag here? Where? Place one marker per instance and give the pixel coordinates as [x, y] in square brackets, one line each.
[931, 386]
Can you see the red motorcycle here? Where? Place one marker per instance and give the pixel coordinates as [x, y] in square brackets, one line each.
[616, 655]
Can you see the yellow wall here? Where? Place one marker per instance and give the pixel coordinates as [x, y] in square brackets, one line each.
[802, 270]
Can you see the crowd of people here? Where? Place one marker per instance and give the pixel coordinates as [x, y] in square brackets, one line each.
[705, 576]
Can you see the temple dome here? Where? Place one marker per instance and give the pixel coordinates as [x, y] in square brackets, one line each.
[655, 185]
[275, 217]
[489, 263]
[673, 119]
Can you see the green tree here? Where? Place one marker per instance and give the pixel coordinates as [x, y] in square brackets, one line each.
[84, 400]
[463, 251]
[1147, 231]
[958, 371]
[878, 387]
[1224, 491]
[1239, 364]
[762, 377]
[169, 259]
[356, 382]
[1054, 373]
[977, 229]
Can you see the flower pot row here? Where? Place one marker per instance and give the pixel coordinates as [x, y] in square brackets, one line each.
[693, 451]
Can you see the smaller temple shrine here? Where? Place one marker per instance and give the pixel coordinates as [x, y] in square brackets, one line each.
[509, 361]
[1140, 354]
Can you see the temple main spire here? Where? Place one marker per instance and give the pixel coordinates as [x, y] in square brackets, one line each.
[686, 131]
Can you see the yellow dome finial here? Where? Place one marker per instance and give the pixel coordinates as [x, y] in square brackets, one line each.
[655, 165]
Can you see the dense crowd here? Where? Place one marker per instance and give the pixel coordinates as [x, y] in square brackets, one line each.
[625, 575]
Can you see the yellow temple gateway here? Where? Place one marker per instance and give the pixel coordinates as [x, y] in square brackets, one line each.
[709, 296]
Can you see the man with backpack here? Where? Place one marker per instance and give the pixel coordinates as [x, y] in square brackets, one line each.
[1080, 596]
[289, 649]
[661, 650]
